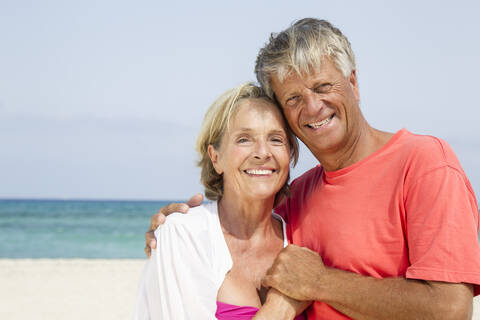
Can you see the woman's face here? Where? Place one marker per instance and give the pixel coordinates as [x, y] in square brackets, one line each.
[254, 153]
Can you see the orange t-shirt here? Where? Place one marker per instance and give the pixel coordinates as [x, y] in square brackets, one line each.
[406, 210]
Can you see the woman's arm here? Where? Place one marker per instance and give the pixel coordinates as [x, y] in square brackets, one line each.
[280, 307]
[177, 282]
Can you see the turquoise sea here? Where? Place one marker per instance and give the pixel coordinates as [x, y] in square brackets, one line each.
[74, 229]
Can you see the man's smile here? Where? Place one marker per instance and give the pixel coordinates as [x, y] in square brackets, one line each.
[316, 125]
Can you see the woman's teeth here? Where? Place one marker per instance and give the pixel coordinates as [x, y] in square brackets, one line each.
[258, 171]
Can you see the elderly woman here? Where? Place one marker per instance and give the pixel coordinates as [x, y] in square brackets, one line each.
[209, 263]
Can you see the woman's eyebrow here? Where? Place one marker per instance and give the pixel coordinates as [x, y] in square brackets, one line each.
[243, 130]
[277, 131]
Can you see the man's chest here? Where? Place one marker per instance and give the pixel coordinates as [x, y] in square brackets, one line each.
[357, 227]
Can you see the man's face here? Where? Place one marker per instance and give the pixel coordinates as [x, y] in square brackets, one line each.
[321, 108]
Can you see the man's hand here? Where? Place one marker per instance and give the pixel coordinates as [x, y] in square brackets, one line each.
[300, 273]
[159, 218]
[292, 272]
[278, 306]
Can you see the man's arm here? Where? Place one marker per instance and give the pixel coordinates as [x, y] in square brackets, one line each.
[300, 273]
[159, 218]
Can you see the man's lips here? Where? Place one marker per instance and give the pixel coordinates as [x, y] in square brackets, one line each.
[316, 125]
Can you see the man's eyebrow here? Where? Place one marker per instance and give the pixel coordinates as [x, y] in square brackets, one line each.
[288, 94]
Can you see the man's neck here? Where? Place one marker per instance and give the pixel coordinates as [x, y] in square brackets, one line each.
[361, 145]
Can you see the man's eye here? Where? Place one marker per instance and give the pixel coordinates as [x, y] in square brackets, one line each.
[325, 87]
[242, 140]
[291, 101]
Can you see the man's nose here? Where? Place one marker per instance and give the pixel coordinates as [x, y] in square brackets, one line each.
[312, 103]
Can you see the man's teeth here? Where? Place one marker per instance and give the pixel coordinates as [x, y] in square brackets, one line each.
[258, 171]
[316, 125]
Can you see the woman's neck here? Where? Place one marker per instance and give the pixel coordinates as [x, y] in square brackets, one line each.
[246, 219]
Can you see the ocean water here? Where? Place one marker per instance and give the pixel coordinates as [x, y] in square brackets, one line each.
[74, 229]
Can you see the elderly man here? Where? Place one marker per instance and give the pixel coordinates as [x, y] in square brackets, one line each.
[386, 227]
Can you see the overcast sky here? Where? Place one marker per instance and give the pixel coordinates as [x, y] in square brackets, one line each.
[103, 99]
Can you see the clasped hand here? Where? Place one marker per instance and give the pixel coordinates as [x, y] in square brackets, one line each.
[297, 272]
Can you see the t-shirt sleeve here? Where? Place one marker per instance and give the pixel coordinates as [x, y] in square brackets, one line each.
[177, 281]
[442, 228]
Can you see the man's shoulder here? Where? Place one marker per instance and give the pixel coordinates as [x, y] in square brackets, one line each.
[416, 139]
[428, 149]
[307, 177]
[306, 182]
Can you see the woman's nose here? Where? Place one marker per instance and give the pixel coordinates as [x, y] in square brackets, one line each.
[262, 150]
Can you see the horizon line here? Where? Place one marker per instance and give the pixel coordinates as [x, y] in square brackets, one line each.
[88, 199]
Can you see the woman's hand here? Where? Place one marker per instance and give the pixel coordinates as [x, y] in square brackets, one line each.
[280, 307]
[159, 218]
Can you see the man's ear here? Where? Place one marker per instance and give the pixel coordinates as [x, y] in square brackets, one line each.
[214, 157]
[353, 82]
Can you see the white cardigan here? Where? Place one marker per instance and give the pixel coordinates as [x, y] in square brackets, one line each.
[182, 277]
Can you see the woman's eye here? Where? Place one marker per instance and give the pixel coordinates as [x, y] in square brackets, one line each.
[278, 140]
[242, 140]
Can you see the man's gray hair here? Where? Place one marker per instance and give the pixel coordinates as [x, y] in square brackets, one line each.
[300, 48]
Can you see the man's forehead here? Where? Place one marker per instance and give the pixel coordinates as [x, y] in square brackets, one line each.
[294, 78]
[324, 71]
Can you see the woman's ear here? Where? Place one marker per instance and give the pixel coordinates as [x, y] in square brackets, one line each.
[214, 157]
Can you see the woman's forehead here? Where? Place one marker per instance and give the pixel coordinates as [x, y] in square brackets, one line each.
[257, 105]
[258, 110]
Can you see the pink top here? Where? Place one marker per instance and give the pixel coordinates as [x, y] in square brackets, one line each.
[227, 311]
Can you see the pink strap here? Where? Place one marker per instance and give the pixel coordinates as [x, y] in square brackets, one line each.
[227, 311]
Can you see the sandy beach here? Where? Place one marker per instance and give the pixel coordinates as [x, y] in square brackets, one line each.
[74, 289]
[68, 289]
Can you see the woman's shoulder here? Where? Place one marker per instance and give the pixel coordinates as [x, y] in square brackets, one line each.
[196, 219]
[191, 236]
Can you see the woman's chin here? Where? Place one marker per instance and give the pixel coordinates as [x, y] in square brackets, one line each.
[261, 194]
[252, 192]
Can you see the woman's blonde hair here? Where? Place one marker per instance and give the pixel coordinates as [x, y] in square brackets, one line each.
[214, 126]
